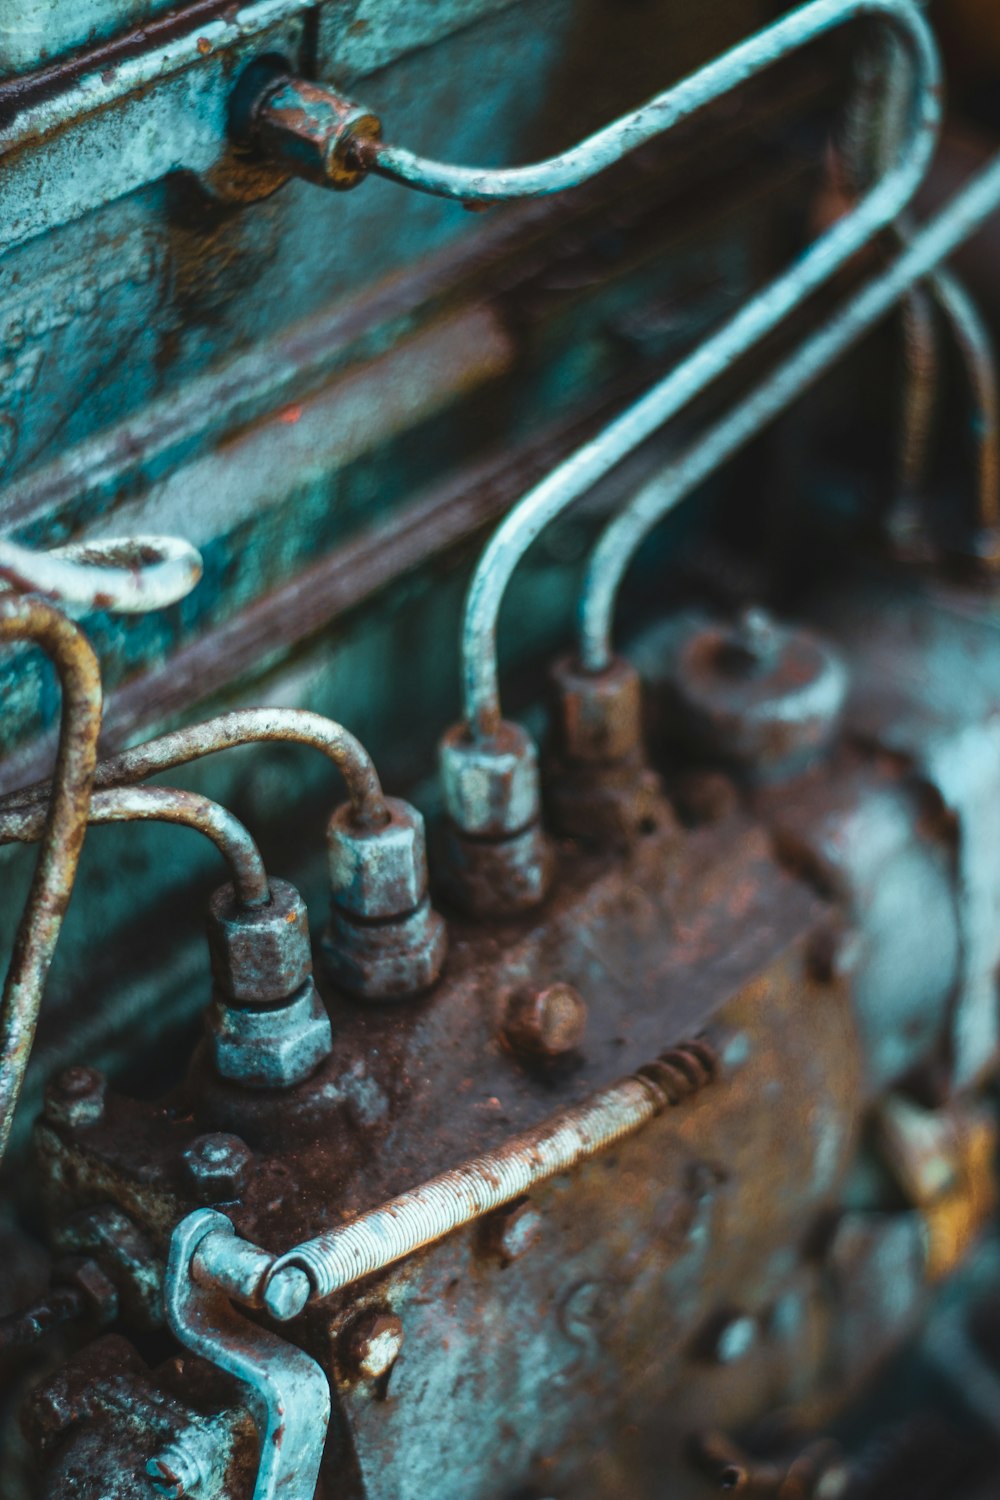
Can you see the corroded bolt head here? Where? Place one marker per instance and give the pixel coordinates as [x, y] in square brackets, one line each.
[547, 1022]
[98, 1293]
[373, 1343]
[75, 1097]
[217, 1167]
[513, 1230]
[177, 1472]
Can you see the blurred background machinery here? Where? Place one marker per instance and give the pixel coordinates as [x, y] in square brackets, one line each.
[584, 412]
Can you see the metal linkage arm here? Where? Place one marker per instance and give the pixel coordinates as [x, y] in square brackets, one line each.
[287, 1392]
[622, 537]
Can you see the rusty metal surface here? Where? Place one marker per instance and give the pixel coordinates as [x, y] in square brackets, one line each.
[517, 1279]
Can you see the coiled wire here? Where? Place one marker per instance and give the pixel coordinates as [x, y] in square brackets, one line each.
[455, 1198]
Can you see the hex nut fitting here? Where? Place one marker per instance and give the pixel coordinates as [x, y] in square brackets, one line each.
[597, 716]
[381, 872]
[260, 954]
[497, 878]
[272, 1048]
[217, 1167]
[315, 132]
[388, 960]
[491, 787]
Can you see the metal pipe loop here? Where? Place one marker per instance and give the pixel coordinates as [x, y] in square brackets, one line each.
[126, 575]
[242, 726]
[591, 462]
[161, 804]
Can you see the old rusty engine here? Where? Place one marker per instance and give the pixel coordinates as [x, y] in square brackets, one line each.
[560, 581]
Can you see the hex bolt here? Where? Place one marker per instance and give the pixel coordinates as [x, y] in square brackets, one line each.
[217, 1167]
[75, 1098]
[512, 1231]
[373, 1344]
[545, 1023]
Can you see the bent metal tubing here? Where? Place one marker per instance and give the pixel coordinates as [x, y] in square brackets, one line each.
[126, 575]
[878, 208]
[61, 830]
[484, 185]
[161, 804]
[242, 726]
[927, 250]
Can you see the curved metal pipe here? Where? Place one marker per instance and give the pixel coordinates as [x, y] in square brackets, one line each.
[866, 139]
[919, 391]
[162, 804]
[61, 829]
[619, 541]
[242, 726]
[610, 144]
[975, 344]
[591, 462]
[126, 575]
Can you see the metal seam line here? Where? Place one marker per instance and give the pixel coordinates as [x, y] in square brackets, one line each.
[242, 726]
[620, 539]
[61, 831]
[162, 804]
[877, 209]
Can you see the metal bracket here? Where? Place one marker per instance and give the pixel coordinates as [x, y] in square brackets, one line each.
[289, 1395]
